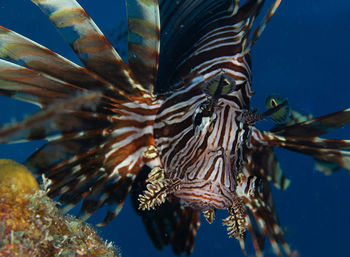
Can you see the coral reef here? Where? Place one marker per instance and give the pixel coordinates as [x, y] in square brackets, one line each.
[32, 225]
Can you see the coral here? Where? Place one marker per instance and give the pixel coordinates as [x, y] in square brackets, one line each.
[17, 175]
[32, 225]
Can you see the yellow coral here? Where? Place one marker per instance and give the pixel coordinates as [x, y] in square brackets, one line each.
[17, 175]
[32, 225]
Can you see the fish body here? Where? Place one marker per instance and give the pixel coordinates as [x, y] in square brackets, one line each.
[203, 159]
[172, 126]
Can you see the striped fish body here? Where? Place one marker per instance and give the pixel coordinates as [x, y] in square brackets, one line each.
[199, 130]
[201, 143]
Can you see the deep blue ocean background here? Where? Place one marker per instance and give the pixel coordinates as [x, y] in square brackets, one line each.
[303, 54]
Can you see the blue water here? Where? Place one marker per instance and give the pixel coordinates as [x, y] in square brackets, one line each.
[304, 54]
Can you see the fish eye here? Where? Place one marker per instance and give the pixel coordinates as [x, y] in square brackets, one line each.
[219, 85]
[282, 115]
[228, 85]
[273, 103]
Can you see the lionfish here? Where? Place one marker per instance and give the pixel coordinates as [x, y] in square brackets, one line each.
[172, 125]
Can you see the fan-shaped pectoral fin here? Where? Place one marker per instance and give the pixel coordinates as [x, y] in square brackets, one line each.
[237, 221]
[157, 189]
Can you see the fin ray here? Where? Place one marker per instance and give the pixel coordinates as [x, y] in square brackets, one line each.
[89, 43]
[316, 127]
[327, 150]
[143, 41]
[39, 125]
